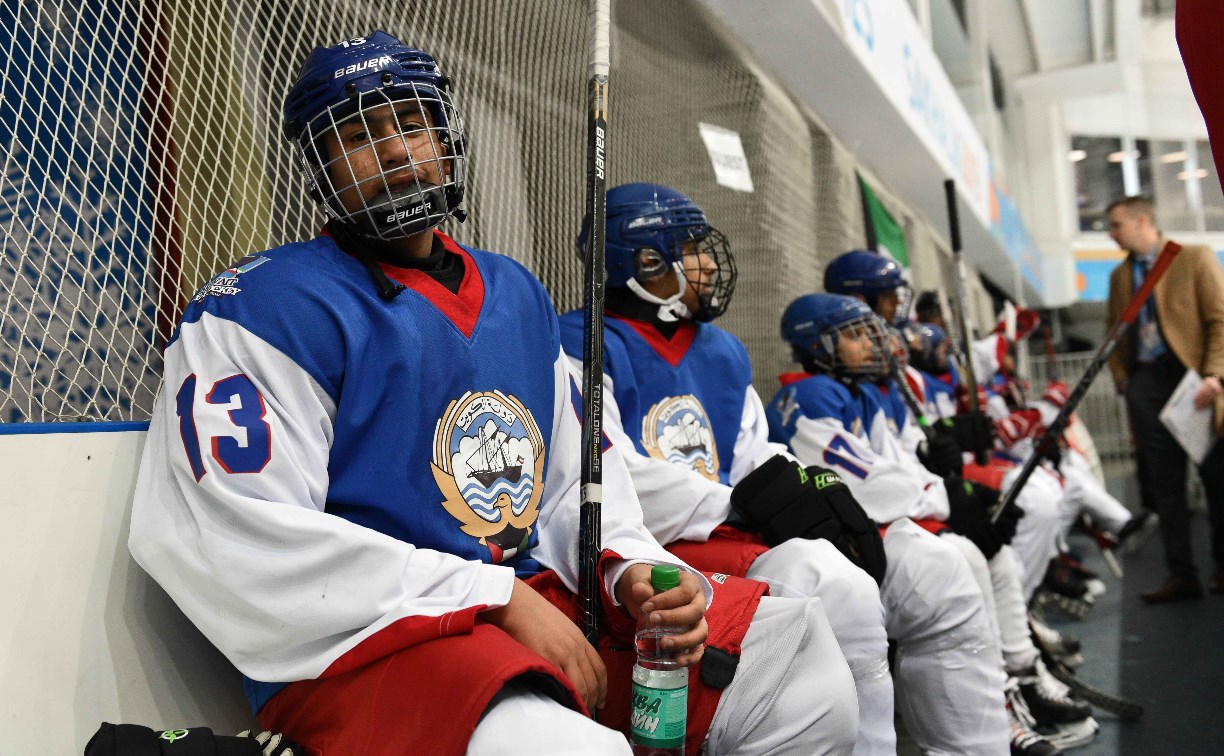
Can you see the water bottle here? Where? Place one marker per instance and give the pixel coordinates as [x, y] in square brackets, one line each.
[660, 685]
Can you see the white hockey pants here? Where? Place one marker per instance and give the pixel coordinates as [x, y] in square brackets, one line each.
[999, 579]
[1036, 539]
[800, 568]
[792, 694]
[1084, 493]
[948, 671]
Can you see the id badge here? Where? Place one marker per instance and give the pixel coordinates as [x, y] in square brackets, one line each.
[1149, 338]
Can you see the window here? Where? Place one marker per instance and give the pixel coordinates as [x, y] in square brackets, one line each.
[1098, 178]
[1178, 176]
[1169, 166]
[1209, 188]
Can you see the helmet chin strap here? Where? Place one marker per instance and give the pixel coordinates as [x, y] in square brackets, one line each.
[670, 309]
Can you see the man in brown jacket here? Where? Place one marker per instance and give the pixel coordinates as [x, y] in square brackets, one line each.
[1181, 327]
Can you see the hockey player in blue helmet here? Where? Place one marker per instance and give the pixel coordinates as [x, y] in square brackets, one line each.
[874, 278]
[826, 414]
[929, 356]
[378, 137]
[382, 481]
[661, 249]
[931, 352]
[835, 335]
[1001, 571]
[679, 403]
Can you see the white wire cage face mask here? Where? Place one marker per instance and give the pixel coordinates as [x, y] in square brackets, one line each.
[389, 163]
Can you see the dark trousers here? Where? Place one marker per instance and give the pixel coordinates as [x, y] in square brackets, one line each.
[1148, 389]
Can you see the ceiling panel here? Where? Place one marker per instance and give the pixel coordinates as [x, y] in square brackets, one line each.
[1061, 31]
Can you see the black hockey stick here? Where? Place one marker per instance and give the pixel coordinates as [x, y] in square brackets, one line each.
[1112, 339]
[1124, 709]
[589, 535]
[966, 356]
[1098, 536]
[911, 399]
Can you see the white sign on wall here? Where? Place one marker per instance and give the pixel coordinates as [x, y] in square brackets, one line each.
[727, 155]
[887, 40]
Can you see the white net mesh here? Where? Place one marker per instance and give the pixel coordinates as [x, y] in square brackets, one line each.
[142, 153]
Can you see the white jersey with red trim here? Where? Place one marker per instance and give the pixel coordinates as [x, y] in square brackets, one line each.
[825, 422]
[330, 476]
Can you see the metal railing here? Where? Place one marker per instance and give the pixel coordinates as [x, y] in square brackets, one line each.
[1102, 411]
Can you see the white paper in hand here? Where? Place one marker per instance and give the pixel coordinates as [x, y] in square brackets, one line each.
[1192, 427]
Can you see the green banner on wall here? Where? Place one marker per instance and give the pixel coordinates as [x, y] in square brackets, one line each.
[884, 234]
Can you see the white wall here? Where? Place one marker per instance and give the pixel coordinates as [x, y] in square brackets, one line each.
[1143, 94]
[85, 635]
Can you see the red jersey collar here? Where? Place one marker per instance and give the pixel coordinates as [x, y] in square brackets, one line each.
[671, 350]
[462, 308]
[787, 379]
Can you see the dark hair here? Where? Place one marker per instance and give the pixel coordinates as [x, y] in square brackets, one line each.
[1135, 205]
[927, 305]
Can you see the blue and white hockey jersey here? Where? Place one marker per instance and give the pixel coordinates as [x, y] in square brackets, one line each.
[901, 420]
[825, 423]
[941, 394]
[330, 476]
[686, 409]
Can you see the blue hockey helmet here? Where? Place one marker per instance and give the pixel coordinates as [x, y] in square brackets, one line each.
[867, 274]
[377, 93]
[815, 324]
[930, 354]
[650, 230]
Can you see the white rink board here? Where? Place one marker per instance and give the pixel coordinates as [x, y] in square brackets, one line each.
[85, 634]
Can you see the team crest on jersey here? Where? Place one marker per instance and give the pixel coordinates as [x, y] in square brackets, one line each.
[787, 405]
[678, 430]
[488, 456]
[226, 283]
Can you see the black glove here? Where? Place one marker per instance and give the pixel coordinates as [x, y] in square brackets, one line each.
[941, 453]
[138, 740]
[1051, 452]
[970, 515]
[1005, 526]
[973, 431]
[782, 500]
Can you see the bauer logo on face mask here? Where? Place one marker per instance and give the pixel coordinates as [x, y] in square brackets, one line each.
[488, 455]
[411, 212]
[677, 430]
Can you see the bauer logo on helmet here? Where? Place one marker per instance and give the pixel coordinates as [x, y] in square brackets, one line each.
[379, 62]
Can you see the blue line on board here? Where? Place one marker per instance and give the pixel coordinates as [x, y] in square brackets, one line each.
[15, 429]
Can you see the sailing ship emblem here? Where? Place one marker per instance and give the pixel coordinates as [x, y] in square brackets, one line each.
[490, 462]
[677, 430]
[487, 458]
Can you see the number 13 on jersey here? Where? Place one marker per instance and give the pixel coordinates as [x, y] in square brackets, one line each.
[233, 456]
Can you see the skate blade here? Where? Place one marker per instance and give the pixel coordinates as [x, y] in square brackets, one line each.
[1070, 735]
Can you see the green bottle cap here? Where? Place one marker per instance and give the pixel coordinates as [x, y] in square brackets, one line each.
[664, 576]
